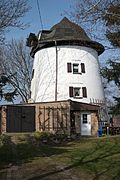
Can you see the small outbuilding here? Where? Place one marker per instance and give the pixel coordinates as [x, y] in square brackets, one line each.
[62, 117]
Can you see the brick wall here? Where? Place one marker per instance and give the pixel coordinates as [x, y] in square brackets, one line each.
[94, 124]
[3, 119]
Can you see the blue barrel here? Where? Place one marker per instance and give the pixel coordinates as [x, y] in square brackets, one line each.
[99, 132]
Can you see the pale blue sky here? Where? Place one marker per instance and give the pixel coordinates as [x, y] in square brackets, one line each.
[51, 13]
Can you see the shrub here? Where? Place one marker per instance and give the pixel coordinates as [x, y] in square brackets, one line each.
[50, 138]
[5, 139]
[42, 135]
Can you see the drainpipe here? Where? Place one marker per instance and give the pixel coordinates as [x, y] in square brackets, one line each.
[56, 74]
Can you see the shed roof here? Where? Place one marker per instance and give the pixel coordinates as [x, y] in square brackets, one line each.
[74, 105]
[80, 106]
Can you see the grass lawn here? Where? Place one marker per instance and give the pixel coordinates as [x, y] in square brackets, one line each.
[85, 159]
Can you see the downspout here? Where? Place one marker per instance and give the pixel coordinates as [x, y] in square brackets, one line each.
[56, 74]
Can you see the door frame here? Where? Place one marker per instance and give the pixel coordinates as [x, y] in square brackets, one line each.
[85, 125]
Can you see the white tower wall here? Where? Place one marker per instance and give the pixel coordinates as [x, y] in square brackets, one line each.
[43, 82]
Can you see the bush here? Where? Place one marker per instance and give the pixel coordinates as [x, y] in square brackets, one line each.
[48, 137]
[42, 135]
[5, 139]
[1, 141]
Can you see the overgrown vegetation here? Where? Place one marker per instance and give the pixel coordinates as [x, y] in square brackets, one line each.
[81, 159]
[112, 70]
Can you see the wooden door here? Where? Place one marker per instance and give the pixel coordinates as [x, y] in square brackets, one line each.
[20, 119]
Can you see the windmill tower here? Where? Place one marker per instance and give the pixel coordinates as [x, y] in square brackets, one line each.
[65, 65]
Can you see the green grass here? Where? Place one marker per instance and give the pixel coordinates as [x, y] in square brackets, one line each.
[93, 158]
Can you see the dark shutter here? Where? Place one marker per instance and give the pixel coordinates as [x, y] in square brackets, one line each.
[32, 73]
[71, 91]
[84, 91]
[69, 67]
[82, 67]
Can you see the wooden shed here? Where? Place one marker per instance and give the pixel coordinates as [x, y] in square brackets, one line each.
[67, 117]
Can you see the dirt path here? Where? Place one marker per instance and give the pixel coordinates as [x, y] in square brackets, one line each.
[13, 172]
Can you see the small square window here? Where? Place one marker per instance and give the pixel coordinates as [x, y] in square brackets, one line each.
[75, 68]
[76, 92]
[84, 117]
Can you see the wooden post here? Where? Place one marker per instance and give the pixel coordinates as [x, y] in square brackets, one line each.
[44, 120]
[53, 118]
[3, 119]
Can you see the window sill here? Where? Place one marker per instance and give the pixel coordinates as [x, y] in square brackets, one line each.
[77, 73]
[75, 97]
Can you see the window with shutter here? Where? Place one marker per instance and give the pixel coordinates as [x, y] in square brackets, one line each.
[71, 91]
[84, 91]
[69, 67]
[82, 67]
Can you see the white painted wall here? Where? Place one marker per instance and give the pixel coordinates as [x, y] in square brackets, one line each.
[43, 82]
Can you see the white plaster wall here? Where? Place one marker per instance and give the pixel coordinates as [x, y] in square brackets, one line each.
[43, 82]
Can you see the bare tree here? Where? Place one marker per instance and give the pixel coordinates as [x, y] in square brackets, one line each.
[101, 21]
[90, 15]
[11, 12]
[16, 64]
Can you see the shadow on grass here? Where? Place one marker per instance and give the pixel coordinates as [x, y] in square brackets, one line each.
[101, 161]
[17, 153]
[100, 157]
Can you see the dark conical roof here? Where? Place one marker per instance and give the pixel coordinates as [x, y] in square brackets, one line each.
[67, 33]
[66, 30]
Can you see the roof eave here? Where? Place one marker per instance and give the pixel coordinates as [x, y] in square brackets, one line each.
[51, 42]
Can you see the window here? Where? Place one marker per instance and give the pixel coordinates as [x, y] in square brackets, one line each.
[75, 68]
[76, 92]
[84, 118]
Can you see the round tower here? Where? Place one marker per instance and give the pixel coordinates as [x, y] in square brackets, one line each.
[66, 65]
